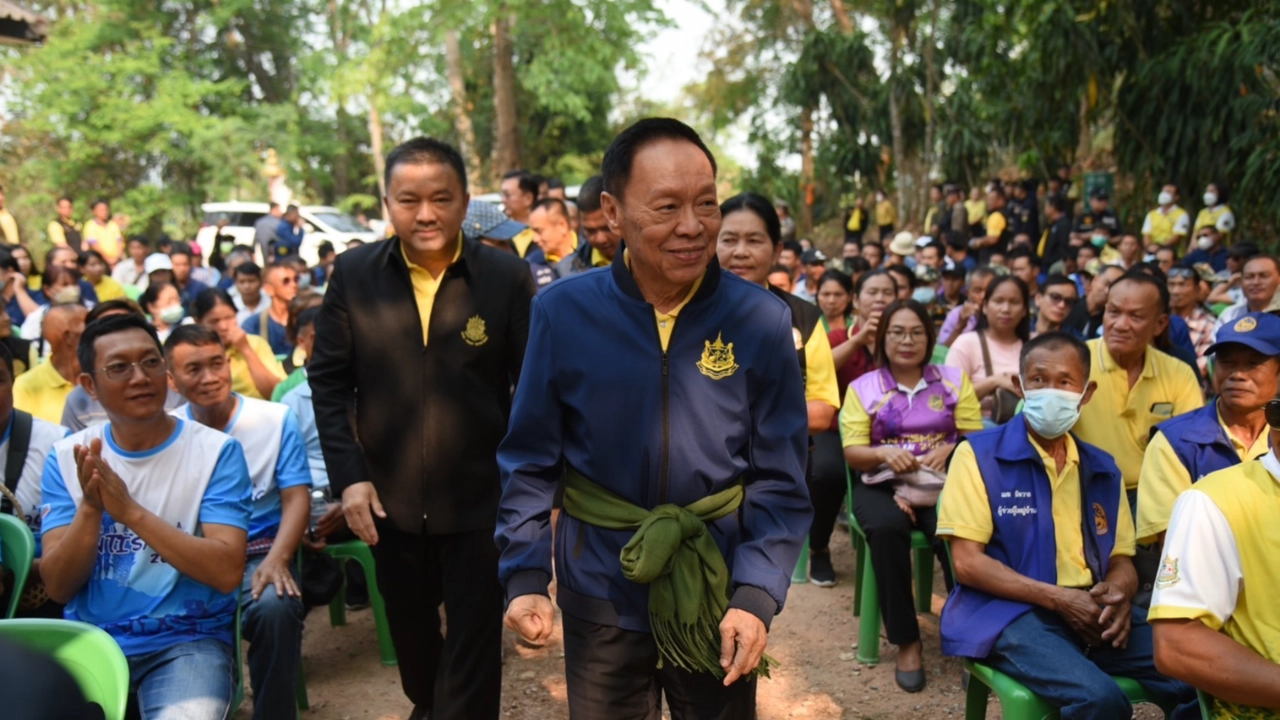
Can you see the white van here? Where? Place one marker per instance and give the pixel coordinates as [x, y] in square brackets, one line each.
[320, 223]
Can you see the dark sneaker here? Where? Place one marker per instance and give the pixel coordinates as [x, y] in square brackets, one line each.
[820, 571]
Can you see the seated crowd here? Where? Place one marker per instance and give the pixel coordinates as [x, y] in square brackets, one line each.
[1070, 419]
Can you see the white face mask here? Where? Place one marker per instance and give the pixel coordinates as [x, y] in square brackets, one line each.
[1204, 242]
[1051, 413]
[69, 294]
[171, 315]
[1211, 199]
[1165, 198]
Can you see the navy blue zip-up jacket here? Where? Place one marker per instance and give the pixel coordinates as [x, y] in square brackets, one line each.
[598, 393]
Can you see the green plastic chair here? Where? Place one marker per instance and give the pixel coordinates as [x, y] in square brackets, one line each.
[940, 353]
[800, 575]
[866, 601]
[88, 653]
[1206, 702]
[17, 550]
[357, 550]
[1019, 703]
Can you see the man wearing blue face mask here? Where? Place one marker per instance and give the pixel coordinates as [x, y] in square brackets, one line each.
[1042, 539]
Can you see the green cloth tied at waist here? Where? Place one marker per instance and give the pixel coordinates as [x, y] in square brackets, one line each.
[673, 553]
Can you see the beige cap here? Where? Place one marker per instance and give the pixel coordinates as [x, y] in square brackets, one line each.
[904, 244]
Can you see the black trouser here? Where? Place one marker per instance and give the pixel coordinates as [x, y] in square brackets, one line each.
[886, 235]
[613, 674]
[888, 531]
[826, 488]
[457, 676]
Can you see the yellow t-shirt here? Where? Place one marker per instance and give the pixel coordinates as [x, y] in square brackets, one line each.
[820, 370]
[1119, 419]
[241, 379]
[855, 421]
[108, 289]
[106, 239]
[886, 214]
[1241, 566]
[425, 288]
[1163, 479]
[996, 224]
[964, 510]
[9, 228]
[976, 210]
[42, 392]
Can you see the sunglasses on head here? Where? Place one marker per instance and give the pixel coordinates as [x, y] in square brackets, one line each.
[1181, 272]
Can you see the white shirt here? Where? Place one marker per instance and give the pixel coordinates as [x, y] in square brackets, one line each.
[43, 435]
[264, 302]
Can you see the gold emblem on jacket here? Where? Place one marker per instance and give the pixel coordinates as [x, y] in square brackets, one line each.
[717, 360]
[474, 334]
[1100, 520]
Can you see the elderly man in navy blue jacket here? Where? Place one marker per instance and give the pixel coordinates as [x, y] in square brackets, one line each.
[667, 395]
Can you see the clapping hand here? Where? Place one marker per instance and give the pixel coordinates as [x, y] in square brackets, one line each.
[103, 488]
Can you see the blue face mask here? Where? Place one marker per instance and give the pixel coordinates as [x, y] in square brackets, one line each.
[1051, 413]
[924, 295]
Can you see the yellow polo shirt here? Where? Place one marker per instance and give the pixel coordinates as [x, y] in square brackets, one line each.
[42, 392]
[666, 322]
[106, 239]
[964, 510]
[1119, 419]
[523, 240]
[820, 383]
[599, 260]
[9, 228]
[425, 287]
[1164, 478]
[241, 378]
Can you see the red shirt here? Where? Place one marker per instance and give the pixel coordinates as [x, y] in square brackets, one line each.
[858, 364]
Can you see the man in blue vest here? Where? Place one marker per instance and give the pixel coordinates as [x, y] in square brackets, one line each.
[1041, 539]
[1224, 433]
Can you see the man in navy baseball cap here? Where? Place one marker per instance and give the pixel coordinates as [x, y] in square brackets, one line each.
[1259, 331]
[486, 223]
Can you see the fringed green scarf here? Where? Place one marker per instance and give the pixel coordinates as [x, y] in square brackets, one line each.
[674, 554]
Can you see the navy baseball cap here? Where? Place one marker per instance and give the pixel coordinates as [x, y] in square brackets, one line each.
[1259, 331]
[484, 219]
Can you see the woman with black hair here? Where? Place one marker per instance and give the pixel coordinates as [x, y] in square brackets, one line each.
[989, 354]
[898, 426]
[255, 372]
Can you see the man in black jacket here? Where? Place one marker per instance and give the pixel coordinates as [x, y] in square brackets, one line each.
[423, 336]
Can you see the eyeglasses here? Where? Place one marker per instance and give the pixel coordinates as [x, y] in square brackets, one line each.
[1181, 272]
[899, 335]
[1056, 299]
[117, 371]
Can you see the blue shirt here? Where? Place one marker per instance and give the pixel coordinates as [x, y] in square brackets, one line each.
[1217, 260]
[277, 335]
[299, 401]
[288, 239]
[197, 476]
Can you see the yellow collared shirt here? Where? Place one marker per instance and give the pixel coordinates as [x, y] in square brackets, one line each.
[425, 287]
[820, 383]
[1164, 478]
[964, 511]
[42, 392]
[1119, 419]
[598, 259]
[106, 239]
[666, 322]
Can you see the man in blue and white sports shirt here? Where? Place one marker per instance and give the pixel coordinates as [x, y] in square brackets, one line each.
[145, 524]
[277, 458]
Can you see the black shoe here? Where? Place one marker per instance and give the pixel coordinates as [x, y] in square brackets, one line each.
[910, 681]
[820, 571]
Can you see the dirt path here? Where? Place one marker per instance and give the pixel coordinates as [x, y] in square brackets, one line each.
[815, 639]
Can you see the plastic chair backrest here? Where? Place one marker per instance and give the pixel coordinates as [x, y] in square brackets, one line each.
[17, 550]
[940, 353]
[88, 653]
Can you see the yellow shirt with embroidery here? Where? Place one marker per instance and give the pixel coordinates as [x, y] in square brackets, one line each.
[42, 392]
[1164, 478]
[1119, 419]
[1248, 496]
[425, 287]
[964, 510]
[855, 421]
[241, 378]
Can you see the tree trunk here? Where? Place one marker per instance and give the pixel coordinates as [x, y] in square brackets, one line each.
[805, 219]
[842, 16]
[341, 161]
[895, 124]
[375, 145]
[506, 147]
[930, 124]
[461, 108]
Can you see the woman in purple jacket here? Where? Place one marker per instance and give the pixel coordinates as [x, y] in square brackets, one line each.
[905, 417]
